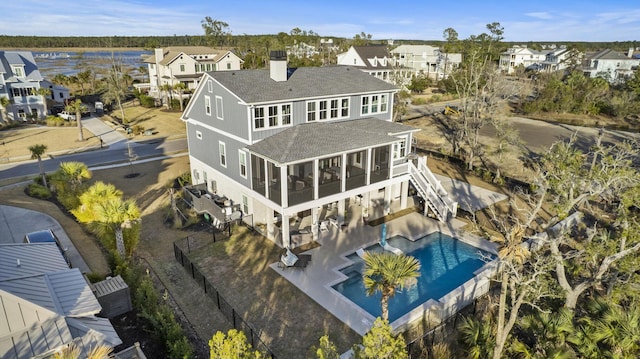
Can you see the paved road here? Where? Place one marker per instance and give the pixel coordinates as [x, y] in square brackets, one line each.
[116, 151]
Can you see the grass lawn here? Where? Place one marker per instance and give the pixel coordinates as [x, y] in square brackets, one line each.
[15, 143]
[161, 122]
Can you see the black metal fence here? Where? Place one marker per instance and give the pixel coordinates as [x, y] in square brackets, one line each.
[423, 346]
[222, 304]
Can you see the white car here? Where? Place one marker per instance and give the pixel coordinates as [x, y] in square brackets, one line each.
[67, 115]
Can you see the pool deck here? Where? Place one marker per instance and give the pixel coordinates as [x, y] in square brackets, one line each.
[323, 271]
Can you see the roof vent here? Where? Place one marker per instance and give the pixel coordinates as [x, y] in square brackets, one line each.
[18, 262]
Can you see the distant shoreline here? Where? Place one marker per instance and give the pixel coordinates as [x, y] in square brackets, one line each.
[74, 49]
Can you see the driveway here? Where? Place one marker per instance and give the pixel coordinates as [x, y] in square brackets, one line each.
[16, 222]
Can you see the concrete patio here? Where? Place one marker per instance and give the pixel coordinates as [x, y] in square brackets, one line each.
[335, 244]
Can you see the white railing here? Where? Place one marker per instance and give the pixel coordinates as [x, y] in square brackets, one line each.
[422, 168]
[431, 190]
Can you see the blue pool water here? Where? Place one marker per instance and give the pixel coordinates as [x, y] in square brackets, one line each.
[446, 263]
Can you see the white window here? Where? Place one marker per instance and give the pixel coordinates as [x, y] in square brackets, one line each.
[243, 163]
[210, 86]
[223, 154]
[400, 149]
[327, 109]
[207, 105]
[273, 116]
[228, 66]
[374, 104]
[199, 135]
[276, 116]
[286, 115]
[245, 204]
[219, 108]
[258, 118]
[18, 71]
[181, 67]
[311, 111]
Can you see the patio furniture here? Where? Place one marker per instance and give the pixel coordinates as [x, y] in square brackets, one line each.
[324, 227]
[291, 260]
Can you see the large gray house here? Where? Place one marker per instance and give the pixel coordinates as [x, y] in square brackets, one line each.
[283, 143]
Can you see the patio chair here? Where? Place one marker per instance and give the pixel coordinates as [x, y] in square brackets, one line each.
[324, 227]
[291, 260]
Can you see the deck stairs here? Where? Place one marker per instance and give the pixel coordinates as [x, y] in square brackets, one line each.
[429, 188]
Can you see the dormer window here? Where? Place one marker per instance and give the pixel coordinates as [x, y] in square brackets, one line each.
[18, 70]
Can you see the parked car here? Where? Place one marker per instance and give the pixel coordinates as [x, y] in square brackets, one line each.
[46, 236]
[67, 115]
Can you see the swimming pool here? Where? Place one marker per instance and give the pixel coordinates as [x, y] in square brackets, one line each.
[446, 263]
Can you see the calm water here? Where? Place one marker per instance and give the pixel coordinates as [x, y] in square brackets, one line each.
[69, 63]
[446, 263]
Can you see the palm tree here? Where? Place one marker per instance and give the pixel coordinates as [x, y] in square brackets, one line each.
[4, 104]
[36, 154]
[180, 88]
[72, 173]
[77, 107]
[618, 329]
[119, 214]
[104, 209]
[44, 92]
[144, 71]
[72, 351]
[166, 88]
[386, 272]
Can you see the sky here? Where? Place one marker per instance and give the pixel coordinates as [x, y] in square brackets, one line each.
[540, 20]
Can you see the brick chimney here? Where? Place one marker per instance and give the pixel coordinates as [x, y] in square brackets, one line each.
[278, 65]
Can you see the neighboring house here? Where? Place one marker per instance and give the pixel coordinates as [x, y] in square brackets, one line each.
[610, 64]
[59, 94]
[376, 61]
[45, 306]
[524, 57]
[186, 64]
[19, 82]
[302, 49]
[559, 59]
[428, 60]
[283, 143]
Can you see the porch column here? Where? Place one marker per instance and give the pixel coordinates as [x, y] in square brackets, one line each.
[284, 228]
[404, 191]
[368, 168]
[267, 180]
[284, 191]
[316, 175]
[387, 200]
[270, 224]
[314, 223]
[366, 203]
[341, 213]
[343, 173]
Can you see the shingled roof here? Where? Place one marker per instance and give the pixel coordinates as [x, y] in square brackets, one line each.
[318, 139]
[170, 53]
[256, 86]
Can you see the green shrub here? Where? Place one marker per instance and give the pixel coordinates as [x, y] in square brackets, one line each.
[38, 191]
[147, 101]
[55, 121]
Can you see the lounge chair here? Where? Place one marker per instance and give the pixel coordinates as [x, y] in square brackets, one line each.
[324, 227]
[290, 259]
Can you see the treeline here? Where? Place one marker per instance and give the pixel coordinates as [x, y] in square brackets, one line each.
[249, 41]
